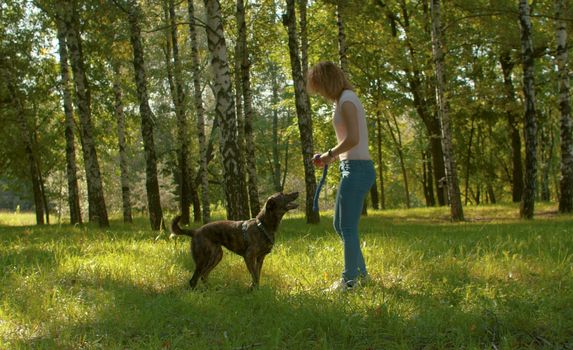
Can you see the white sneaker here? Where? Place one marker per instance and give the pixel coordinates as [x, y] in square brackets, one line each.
[341, 286]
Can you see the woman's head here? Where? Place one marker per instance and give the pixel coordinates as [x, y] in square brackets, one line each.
[328, 80]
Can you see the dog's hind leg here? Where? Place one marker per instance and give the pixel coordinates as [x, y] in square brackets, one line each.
[215, 259]
[202, 254]
[193, 281]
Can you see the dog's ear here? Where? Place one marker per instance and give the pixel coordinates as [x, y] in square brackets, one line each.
[270, 204]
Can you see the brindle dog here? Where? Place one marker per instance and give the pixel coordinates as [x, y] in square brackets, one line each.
[252, 239]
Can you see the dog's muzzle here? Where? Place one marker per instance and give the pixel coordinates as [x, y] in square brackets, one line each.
[292, 197]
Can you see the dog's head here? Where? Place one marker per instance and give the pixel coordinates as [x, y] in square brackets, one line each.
[279, 203]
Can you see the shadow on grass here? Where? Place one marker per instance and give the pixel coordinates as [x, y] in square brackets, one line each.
[386, 314]
[229, 316]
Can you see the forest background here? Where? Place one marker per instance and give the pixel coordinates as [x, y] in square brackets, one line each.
[150, 106]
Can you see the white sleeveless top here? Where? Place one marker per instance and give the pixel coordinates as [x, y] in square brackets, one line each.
[360, 151]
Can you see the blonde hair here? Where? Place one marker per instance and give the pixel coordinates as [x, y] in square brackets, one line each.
[328, 80]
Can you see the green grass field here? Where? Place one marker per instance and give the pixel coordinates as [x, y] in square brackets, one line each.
[492, 282]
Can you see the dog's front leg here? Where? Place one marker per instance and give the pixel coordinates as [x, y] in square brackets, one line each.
[260, 261]
[251, 262]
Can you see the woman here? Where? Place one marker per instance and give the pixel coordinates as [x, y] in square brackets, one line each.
[356, 168]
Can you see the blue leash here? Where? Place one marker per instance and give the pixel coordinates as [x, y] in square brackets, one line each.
[319, 187]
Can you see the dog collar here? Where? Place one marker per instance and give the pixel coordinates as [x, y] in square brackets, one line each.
[264, 230]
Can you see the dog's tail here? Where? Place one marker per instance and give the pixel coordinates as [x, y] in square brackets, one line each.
[175, 229]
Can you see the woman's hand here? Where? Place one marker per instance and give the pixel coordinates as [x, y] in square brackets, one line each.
[320, 160]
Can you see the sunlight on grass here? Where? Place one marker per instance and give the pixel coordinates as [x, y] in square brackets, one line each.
[493, 281]
[17, 219]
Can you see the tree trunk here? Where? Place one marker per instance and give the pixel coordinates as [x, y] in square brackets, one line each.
[151, 183]
[528, 198]
[491, 194]
[96, 200]
[303, 112]
[26, 136]
[123, 164]
[71, 166]
[200, 114]
[422, 102]
[178, 97]
[566, 182]
[35, 176]
[245, 66]
[239, 115]
[449, 160]
[342, 48]
[41, 181]
[427, 179]
[512, 119]
[397, 138]
[468, 161]
[374, 196]
[302, 4]
[379, 157]
[234, 184]
[545, 154]
[276, 165]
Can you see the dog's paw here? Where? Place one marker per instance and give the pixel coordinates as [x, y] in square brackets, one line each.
[253, 287]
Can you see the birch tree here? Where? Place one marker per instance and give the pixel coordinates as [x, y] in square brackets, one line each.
[512, 119]
[29, 148]
[302, 5]
[71, 165]
[530, 125]
[302, 110]
[174, 73]
[96, 200]
[245, 66]
[449, 160]
[233, 174]
[122, 144]
[199, 114]
[342, 48]
[566, 181]
[151, 183]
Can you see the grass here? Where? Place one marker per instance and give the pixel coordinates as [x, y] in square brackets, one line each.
[491, 282]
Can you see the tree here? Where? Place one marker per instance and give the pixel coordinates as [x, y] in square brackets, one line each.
[71, 167]
[121, 143]
[174, 73]
[151, 183]
[200, 115]
[395, 133]
[30, 147]
[512, 119]
[342, 47]
[528, 198]
[276, 165]
[243, 58]
[566, 182]
[420, 83]
[233, 174]
[96, 200]
[449, 160]
[379, 159]
[302, 110]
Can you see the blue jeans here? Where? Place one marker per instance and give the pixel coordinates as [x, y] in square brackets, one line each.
[356, 178]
